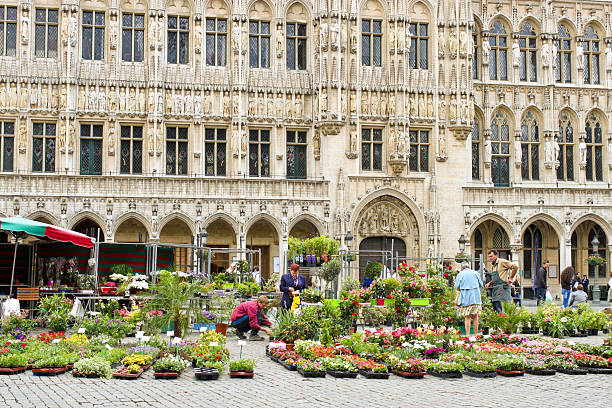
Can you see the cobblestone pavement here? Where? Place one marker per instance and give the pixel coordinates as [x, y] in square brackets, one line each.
[273, 386]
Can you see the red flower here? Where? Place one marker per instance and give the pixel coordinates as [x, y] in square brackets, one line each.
[446, 275]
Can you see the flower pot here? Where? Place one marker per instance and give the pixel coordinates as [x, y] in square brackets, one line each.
[380, 302]
[374, 375]
[511, 373]
[124, 374]
[545, 371]
[166, 375]
[311, 374]
[76, 373]
[12, 370]
[290, 346]
[49, 371]
[599, 370]
[449, 374]
[288, 366]
[480, 374]
[342, 374]
[568, 371]
[241, 374]
[406, 374]
[419, 301]
[221, 328]
[206, 374]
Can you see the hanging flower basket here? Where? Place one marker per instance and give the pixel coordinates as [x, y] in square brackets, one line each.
[596, 260]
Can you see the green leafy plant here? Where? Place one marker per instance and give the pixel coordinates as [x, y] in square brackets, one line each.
[270, 285]
[595, 259]
[55, 311]
[94, 366]
[222, 307]
[56, 361]
[374, 316]
[243, 365]
[13, 360]
[330, 270]
[390, 284]
[373, 270]
[170, 364]
[311, 296]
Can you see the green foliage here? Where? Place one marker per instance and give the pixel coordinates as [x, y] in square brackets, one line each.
[270, 285]
[170, 364]
[330, 270]
[375, 316]
[121, 269]
[318, 246]
[108, 307]
[222, 307]
[243, 365]
[248, 288]
[55, 311]
[390, 284]
[55, 361]
[13, 360]
[348, 285]
[18, 321]
[94, 366]
[311, 296]
[373, 270]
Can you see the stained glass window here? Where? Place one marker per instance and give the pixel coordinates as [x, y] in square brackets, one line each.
[594, 152]
[296, 46]
[565, 171]
[500, 150]
[592, 55]
[418, 57]
[563, 63]
[530, 146]
[178, 40]
[476, 143]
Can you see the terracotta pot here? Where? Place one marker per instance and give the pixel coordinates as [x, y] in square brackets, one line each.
[221, 328]
[290, 346]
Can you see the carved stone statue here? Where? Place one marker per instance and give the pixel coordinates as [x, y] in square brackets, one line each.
[151, 133]
[111, 138]
[344, 35]
[486, 49]
[422, 108]
[113, 32]
[207, 103]
[442, 144]
[400, 36]
[260, 105]
[270, 104]
[342, 103]
[335, 33]
[152, 35]
[392, 140]
[324, 35]
[236, 36]
[549, 151]
[236, 104]
[227, 110]
[353, 140]
[582, 150]
[401, 141]
[392, 104]
[323, 100]
[441, 41]
[516, 53]
[316, 141]
[3, 96]
[280, 40]
[579, 56]
[122, 99]
[299, 111]
[102, 100]
[23, 134]
[71, 135]
[133, 101]
[23, 103]
[141, 99]
[25, 25]
[465, 110]
[555, 52]
[63, 98]
[289, 107]
[545, 54]
[112, 99]
[54, 97]
[463, 41]
[557, 148]
[453, 110]
[413, 106]
[252, 104]
[279, 106]
[383, 104]
[353, 103]
[73, 29]
[518, 152]
[487, 150]
[188, 103]
[375, 104]
[353, 37]
[364, 103]
[452, 41]
[92, 100]
[243, 139]
[151, 101]
[198, 37]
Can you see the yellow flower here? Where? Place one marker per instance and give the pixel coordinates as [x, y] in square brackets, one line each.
[428, 261]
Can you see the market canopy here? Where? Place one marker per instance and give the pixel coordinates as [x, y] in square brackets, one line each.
[40, 229]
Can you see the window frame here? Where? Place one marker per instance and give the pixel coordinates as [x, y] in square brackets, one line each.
[370, 145]
[498, 123]
[94, 142]
[592, 59]
[260, 37]
[371, 37]
[300, 43]
[528, 64]
[476, 152]
[530, 147]
[131, 140]
[47, 25]
[417, 148]
[563, 43]
[498, 31]
[47, 141]
[5, 23]
[3, 148]
[215, 141]
[259, 143]
[216, 34]
[419, 44]
[295, 147]
[594, 122]
[475, 56]
[181, 34]
[132, 29]
[94, 27]
[180, 144]
[566, 123]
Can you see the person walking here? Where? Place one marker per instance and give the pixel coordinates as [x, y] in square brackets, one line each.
[540, 282]
[468, 285]
[567, 279]
[502, 274]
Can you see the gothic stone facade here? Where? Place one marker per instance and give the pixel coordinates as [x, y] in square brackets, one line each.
[156, 119]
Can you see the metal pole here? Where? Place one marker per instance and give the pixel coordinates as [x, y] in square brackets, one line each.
[13, 271]
[97, 257]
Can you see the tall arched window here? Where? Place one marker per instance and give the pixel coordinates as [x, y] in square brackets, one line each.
[565, 171]
[601, 251]
[528, 67]
[563, 63]
[530, 147]
[477, 247]
[501, 242]
[594, 149]
[476, 50]
[592, 53]
[498, 56]
[532, 250]
[500, 150]
[476, 141]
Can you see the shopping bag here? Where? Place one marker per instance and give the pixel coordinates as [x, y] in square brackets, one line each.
[548, 296]
[296, 303]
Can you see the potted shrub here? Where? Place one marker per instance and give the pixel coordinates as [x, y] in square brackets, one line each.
[378, 291]
[92, 367]
[53, 365]
[13, 363]
[330, 270]
[169, 367]
[222, 307]
[242, 368]
[372, 271]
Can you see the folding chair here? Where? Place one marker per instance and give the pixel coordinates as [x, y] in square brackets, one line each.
[28, 295]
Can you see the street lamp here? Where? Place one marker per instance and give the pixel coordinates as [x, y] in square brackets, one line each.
[462, 241]
[596, 292]
[348, 238]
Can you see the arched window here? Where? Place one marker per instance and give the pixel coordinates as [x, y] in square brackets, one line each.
[596, 231]
[592, 53]
[477, 247]
[594, 149]
[418, 57]
[500, 150]
[530, 148]
[565, 171]
[532, 250]
[501, 242]
[498, 56]
[476, 142]
[528, 67]
[563, 63]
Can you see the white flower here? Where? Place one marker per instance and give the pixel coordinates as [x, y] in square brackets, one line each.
[118, 277]
[139, 278]
[139, 285]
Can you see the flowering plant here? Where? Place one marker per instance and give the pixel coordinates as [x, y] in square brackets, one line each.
[509, 362]
[440, 366]
[311, 296]
[338, 364]
[307, 365]
[48, 337]
[595, 259]
[409, 365]
[366, 364]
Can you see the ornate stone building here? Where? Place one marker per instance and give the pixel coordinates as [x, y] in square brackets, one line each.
[258, 120]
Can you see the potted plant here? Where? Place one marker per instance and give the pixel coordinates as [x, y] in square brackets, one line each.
[372, 271]
[595, 260]
[222, 307]
[510, 365]
[444, 369]
[539, 365]
[312, 296]
[310, 369]
[13, 363]
[330, 270]
[242, 368]
[169, 367]
[92, 367]
[371, 369]
[479, 368]
[208, 370]
[408, 367]
[53, 365]
[339, 367]
[378, 290]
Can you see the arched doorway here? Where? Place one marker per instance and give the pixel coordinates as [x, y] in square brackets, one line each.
[581, 241]
[131, 230]
[90, 228]
[221, 235]
[177, 231]
[371, 250]
[262, 235]
[540, 243]
[304, 229]
[489, 235]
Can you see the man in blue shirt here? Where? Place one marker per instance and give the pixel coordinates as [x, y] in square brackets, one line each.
[468, 284]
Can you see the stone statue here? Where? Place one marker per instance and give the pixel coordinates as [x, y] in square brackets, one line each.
[442, 144]
[344, 35]
[582, 149]
[452, 41]
[383, 104]
[430, 106]
[401, 141]
[270, 105]
[549, 151]
[236, 36]
[61, 134]
[236, 104]
[93, 99]
[324, 35]
[486, 49]
[63, 98]
[353, 141]
[23, 134]
[289, 106]
[133, 101]
[3, 96]
[141, 98]
[102, 100]
[413, 106]
[555, 52]
[518, 151]
[25, 25]
[112, 99]
[44, 97]
[392, 140]
[422, 108]
[151, 132]
[579, 56]
[54, 96]
[516, 53]
[197, 104]
[316, 141]
[400, 36]
[465, 110]
[122, 99]
[188, 103]
[323, 100]
[152, 34]
[260, 105]
[207, 103]
[557, 148]
[71, 135]
[235, 143]
[113, 32]
[73, 29]
[392, 38]
[160, 102]
[342, 103]
[364, 103]
[375, 104]
[545, 54]
[227, 110]
[279, 106]
[463, 41]
[335, 33]
[353, 37]
[252, 105]
[243, 139]
[299, 111]
[23, 103]
[151, 101]
[392, 104]
[280, 40]
[487, 150]
[111, 138]
[453, 110]
[353, 103]
[198, 37]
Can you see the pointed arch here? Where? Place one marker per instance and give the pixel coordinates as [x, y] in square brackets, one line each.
[595, 218]
[84, 215]
[132, 215]
[504, 223]
[567, 139]
[298, 11]
[225, 216]
[47, 216]
[180, 216]
[550, 220]
[267, 217]
[316, 222]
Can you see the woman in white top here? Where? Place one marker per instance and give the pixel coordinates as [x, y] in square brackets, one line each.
[610, 289]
